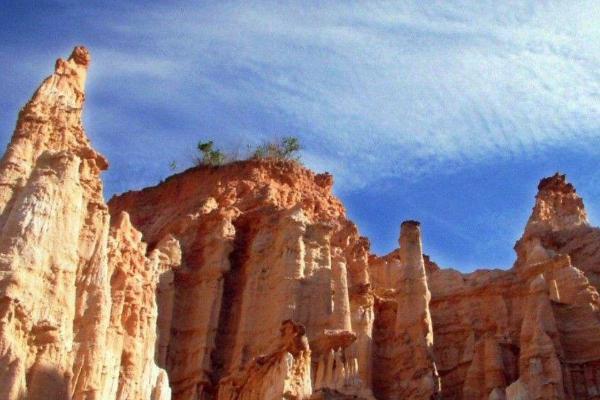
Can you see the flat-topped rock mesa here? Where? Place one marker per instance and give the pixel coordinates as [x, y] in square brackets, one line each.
[263, 241]
[254, 285]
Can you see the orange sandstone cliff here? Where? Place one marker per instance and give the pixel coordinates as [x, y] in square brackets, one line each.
[77, 305]
[263, 242]
[248, 282]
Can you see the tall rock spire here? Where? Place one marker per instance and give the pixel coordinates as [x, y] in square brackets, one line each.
[54, 227]
[541, 375]
[557, 206]
[56, 266]
[417, 374]
[51, 121]
[558, 209]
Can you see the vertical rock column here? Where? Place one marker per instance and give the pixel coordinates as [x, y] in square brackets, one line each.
[341, 315]
[54, 285]
[130, 368]
[165, 296]
[198, 301]
[77, 304]
[416, 372]
[541, 375]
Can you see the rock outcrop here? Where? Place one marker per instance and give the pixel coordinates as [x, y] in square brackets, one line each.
[77, 305]
[263, 242]
[284, 372]
[530, 332]
[248, 282]
[559, 225]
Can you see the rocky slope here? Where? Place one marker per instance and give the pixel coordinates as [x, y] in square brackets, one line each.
[253, 284]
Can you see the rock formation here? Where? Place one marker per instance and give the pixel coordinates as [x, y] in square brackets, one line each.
[403, 352]
[77, 305]
[283, 372]
[530, 332]
[254, 285]
[263, 242]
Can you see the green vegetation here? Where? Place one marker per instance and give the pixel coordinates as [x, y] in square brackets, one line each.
[209, 155]
[287, 148]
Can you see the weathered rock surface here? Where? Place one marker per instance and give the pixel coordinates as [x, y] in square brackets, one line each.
[403, 346]
[530, 332]
[283, 372]
[262, 242]
[77, 305]
[257, 286]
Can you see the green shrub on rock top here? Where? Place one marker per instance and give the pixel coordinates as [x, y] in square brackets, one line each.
[285, 149]
[209, 155]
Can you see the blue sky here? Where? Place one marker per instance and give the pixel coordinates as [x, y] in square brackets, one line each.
[447, 112]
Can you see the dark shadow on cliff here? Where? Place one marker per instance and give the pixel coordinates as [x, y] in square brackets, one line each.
[230, 312]
[46, 382]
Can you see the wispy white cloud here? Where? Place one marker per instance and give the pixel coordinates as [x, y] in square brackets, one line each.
[395, 89]
[372, 88]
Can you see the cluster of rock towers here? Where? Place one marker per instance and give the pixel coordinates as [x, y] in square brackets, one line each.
[248, 282]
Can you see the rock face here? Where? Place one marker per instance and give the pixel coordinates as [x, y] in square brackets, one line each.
[263, 242]
[77, 304]
[257, 286]
[530, 332]
[403, 352]
[284, 372]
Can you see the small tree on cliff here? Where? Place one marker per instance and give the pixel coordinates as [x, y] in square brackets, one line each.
[285, 149]
[209, 155]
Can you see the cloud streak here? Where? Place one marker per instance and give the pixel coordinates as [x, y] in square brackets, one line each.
[374, 91]
[446, 112]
